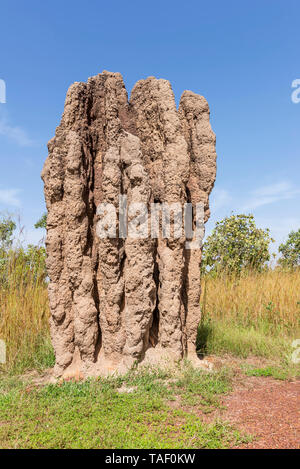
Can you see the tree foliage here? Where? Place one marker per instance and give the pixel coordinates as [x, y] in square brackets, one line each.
[42, 222]
[236, 243]
[7, 228]
[290, 250]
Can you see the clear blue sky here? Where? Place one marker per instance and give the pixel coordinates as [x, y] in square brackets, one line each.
[241, 55]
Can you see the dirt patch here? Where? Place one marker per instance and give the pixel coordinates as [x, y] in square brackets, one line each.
[267, 409]
[237, 363]
[38, 378]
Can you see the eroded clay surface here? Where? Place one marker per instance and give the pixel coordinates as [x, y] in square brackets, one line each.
[115, 301]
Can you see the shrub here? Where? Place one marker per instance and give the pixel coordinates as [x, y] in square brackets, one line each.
[235, 244]
[290, 250]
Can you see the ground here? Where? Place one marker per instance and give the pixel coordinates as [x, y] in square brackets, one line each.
[238, 405]
[265, 408]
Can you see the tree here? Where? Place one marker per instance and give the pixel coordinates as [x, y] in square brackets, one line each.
[42, 222]
[290, 250]
[7, 228]
[236, 243]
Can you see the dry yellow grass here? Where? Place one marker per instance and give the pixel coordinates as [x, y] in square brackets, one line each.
[24, 316]
[253, 314]
[257, 314]
[271, 297]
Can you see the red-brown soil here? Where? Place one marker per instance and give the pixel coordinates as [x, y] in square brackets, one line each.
[267, 409]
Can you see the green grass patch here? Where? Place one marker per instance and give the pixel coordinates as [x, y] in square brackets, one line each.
[219, 337]
[197, 388]
[42, 358]
[267, 371]
[95, 414]
[277, 372]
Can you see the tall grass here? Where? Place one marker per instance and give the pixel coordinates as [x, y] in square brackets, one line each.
[24, 313]
[255, 313]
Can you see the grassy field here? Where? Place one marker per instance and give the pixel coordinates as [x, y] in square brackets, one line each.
[145, 409]
[24, 315]
[256, 315]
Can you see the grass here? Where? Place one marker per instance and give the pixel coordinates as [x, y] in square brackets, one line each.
[95, 414]
[24, 316]
[202, 389]
[268, 301]
[266, 371]
[221, 337]
[254, 315]
[281, 372]
[257, 314]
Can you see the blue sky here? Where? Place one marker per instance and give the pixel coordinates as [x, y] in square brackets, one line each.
[241, 55]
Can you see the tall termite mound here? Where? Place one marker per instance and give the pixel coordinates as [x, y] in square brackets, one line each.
[117, 301]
